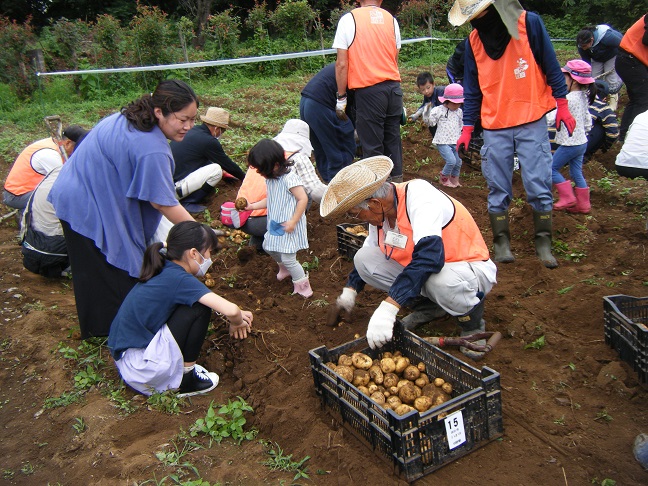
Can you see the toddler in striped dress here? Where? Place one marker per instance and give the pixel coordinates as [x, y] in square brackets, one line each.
[286, 201]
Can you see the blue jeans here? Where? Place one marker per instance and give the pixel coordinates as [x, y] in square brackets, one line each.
[574, 157]
[531, 143]
[452, 159]
[333, 140]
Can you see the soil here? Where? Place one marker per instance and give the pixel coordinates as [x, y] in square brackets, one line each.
[571, 410]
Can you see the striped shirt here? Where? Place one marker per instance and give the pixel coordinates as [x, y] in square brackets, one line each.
[281, 207]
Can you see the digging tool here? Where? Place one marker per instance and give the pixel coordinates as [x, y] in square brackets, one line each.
[55, 126]
[468, 341]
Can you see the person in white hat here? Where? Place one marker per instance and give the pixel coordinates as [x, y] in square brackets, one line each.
[512, 79]
[424, 249]
[200, 159]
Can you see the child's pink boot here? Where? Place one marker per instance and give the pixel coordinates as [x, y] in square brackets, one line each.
[283, 272]
[454, 180]
[302, 287]
[445, 180]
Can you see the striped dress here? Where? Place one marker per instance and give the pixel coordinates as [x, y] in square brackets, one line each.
[281, 207]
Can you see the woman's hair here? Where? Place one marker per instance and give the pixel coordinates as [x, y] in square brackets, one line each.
[585, 35]
[265, 155]
[182, 237]
[170, 96]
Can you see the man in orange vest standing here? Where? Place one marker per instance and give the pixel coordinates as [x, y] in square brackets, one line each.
[367, 40]
[632, 66]
[512, 79]
[424, 249]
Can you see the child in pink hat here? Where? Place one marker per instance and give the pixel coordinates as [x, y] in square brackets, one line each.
[571, 149]
[448, 119]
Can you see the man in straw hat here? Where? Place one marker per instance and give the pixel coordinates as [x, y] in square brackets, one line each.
[200, 159]
[512, 79]
[367, 40]
[423, 248]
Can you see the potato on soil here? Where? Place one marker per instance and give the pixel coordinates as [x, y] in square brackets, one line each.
[345, 372]
[345, 360]
[411, 373]
[387, 365]
[401, 364]
[403, 408]
[390, 380]
[240, 203]
[393, 401]
[423, 403]
[361, 377]
[378, 397]
[210, 282]
[407, 393]
[447, 388]
[376, 375]
[439, 381]
[361, 361]
[422, 380]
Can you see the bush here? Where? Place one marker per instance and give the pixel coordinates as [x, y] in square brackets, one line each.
[225, 29]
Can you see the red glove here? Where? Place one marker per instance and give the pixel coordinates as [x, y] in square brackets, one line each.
[464, 139]
[563, 115]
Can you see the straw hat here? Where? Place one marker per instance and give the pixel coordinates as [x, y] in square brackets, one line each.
[294, 137]
[465, 10]
[453, 92]
[217, 117]
[355, 183]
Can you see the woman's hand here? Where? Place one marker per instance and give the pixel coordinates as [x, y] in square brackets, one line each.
[240, 331]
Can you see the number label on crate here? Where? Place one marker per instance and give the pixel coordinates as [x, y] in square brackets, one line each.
[455, 430]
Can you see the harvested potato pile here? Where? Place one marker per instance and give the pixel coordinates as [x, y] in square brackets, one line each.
[236, 236]
[358, 230]
[393, 381]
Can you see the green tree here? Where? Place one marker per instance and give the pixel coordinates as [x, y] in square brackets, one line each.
[17, 39]
[225, 29]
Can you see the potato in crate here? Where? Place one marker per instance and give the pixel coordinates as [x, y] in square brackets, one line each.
[625, 320]
[415, 443]
[351, 237]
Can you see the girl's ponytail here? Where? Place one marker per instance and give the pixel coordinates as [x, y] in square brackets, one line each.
[592, 89]
[154, 258]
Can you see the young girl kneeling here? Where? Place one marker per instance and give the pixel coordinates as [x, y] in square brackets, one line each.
[286, 202]
[157, 334]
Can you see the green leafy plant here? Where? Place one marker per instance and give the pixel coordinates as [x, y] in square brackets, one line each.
[572, 366]
[230, 280]
[604, 416]
[537, 344]
[27, 468]
[312, 265]
[207, 216]
[121, 402]
[228, 421]
[560, 421]
[167, 402]
[565, 290]
[79, 425]
[605, 183]
[65, 399]
[87, 378]
[278, 461]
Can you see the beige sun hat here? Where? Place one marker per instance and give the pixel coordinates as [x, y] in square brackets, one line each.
[217, 117]
[465, 10]
[355, 183]
[295, 137]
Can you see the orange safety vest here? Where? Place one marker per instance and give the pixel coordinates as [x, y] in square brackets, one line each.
[514, 88]
[253, 188]
[23, 178]
[373, 52]
[631, 42]
[462, 240]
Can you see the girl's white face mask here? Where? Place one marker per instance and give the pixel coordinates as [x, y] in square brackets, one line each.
[204, 266]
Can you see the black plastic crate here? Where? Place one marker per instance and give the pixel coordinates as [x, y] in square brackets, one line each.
[415, 444]
[348, 243]
[625, 319]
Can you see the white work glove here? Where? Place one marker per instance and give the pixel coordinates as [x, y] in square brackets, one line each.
[340, 108]
[381, 325]
[347, 299]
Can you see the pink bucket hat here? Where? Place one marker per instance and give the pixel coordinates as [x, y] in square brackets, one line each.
[453, 92]
[579, 70]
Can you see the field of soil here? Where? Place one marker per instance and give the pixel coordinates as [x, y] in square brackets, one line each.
[571, 410]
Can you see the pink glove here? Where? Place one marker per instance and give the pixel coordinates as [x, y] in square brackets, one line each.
[464, 139]
[563, 115]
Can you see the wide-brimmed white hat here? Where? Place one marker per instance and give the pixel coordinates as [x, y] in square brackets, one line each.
[465, 10]
[354, 184]
[295, 137]
[217, 117]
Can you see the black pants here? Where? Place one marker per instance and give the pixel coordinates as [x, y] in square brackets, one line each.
[635, 76]
[189, 328]
[99, 287]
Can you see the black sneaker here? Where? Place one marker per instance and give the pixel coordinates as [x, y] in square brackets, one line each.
[197, 382]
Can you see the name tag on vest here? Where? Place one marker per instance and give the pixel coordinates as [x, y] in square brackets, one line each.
[396, 240]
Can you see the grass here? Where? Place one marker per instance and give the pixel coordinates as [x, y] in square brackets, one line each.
[278, 461]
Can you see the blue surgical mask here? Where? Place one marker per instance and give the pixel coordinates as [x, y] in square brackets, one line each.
[204, 266]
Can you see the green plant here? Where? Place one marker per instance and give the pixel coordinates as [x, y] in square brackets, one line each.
[63, 400]
[280, 462]
[565, 290]
[560, 421]
[608, 482]
[572, 366]
[537, 344]
[173, 458]
[230, 280]
[8, 474]
[312, 265]
[167, 402]
[79, 425]
[121, 402]
[87, 378]
[27, 468]
[227, 422]
[604, 416]
[605, 183]
[207, 216]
